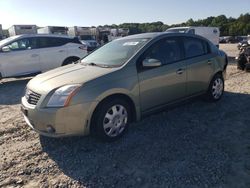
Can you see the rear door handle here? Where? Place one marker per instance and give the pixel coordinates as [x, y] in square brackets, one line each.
[61, 51]
[209, 62]
[179, 71]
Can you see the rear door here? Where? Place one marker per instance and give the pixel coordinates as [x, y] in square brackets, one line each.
[200, 64]
[164, 84]
[52, 52]
[22, 59]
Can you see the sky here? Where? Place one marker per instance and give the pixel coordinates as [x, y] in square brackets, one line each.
[99, 12]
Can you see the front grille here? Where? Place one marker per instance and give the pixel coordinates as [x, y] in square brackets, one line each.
[32, 97]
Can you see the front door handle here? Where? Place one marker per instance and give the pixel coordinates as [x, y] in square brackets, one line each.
[179, 71]
[209, 62]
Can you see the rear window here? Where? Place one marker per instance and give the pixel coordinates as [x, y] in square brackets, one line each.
[75, 40]
[195, 47]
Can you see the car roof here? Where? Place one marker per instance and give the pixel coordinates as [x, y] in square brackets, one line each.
[161, 34]
[45, 35]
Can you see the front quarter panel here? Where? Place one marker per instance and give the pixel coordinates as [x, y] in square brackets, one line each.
[123, 81]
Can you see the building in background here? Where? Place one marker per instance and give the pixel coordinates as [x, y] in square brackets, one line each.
[1, 32]
[22, 29]
[58, 30]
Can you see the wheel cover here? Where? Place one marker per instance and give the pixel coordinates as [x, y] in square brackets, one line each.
[217, 88]
[115, 120]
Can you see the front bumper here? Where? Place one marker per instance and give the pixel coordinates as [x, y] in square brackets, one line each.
[66, 121]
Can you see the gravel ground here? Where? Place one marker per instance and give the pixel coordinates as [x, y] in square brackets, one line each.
[231, 49]
[196, 144]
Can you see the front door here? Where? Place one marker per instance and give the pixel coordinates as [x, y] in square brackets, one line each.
[53, 52]
[22, 59]
[164, 84]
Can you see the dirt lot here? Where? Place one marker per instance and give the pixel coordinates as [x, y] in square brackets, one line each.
[197, 144]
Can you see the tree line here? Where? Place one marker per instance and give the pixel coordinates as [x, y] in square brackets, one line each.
[228, 26]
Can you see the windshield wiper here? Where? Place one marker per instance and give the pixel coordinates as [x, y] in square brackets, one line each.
[98, 65]
[78, 61]
[92, 64]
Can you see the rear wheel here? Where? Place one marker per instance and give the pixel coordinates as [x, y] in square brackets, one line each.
[247, 67]
[70, 60]
[241, 63]
[216, 88]
[111, 120]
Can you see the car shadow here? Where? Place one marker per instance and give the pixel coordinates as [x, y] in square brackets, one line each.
[12, 91]
[195, 144]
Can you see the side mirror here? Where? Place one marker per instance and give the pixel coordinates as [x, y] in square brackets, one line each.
[6, 49]
[151, 63]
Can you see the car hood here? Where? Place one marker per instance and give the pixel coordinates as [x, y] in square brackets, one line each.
[70, 74]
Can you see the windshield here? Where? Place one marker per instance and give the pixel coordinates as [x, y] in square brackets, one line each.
[4, 41]
[116, 52]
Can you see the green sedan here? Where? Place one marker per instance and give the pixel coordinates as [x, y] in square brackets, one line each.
[121, 82]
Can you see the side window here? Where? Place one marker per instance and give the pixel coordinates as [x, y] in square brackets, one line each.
[172, 51]
[22, 44]
[57, 41]
[43, 42]
[166, 50]
[46, 42]
[191, 31]
[195, 47]
[32, 43]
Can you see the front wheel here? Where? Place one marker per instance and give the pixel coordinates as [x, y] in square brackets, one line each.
[216, 88]
[111, 119]
[70, 61]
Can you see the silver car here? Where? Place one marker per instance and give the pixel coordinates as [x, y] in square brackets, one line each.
[122, 81]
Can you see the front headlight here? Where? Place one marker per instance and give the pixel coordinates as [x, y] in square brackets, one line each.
[62, 96]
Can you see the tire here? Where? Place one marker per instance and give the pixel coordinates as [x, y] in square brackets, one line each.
[111, 119]
[216, 88]
[247, 67]
[70, 60]
[241, 63]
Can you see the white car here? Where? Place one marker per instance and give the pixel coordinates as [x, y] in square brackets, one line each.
[23, 55]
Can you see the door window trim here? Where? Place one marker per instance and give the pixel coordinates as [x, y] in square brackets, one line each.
[140, 58]
[205, 44]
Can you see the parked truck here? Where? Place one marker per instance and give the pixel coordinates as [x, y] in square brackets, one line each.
[211, 33]
[22, 29]
[87, 35]
[1, 32]
[118, 32]
[103, 35]
[58, 30]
